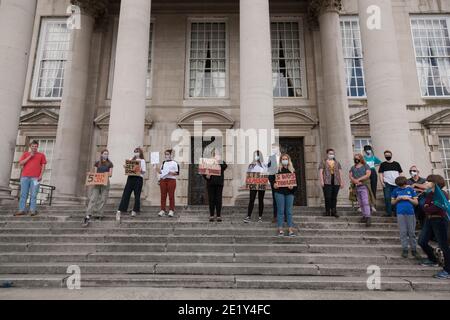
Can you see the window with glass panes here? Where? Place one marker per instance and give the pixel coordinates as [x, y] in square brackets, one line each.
[207, 60]
[444, 148]
[51, 59]
[353, 57]
[432, 48]
[46, 146]
[287, 58]
[359, 143]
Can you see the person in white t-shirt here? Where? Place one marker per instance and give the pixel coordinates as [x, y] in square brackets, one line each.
[257, 166]
[167, 178]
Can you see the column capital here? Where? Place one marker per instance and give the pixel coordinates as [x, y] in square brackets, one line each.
[318, 7]
[94, 8]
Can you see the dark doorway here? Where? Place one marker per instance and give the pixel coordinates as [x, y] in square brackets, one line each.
[294, 147]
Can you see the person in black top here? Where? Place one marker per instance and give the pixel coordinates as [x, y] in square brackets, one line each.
[389, 171]
[215, 188]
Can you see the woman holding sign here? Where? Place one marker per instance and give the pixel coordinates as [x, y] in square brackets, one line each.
[258, 168]
[99, 194]
[135, 181]
[214, 185]
[285, 188]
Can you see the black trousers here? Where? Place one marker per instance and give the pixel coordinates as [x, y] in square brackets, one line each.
[251, 204]
[330, 192]
[215, 199]
[134, 185]
[272, 182]
[438, 227]
[374, 181]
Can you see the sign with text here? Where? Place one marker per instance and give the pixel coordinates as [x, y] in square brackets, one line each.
[132, 168]
[256, 181]
[286, 180]
[209, 167]
[154, 158]
[97, 179]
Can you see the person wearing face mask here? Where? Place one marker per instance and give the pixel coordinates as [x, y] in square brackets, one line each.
[167, 178]
[330, 175]
[373, 162]
[257, 166]
[134, 185]
[360, 179]
[436, 222]
[389, 171]
[272, 168]
[419, 185]
[214, 186]
[99, 194]
[285, 198]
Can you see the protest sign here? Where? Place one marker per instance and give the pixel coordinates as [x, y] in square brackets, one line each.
[97, 179]
[132, 167]
[209, 167]
[256, 181]
[286, 180]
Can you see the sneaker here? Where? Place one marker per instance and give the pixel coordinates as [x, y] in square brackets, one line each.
[429, 263]
[247, 220]
[171, 213]
[292, 234]
[374, 209]
[118, 216]
[162, 213]
[211, 219]
[86, 221]
[359, 210]
[133, 213]
[405, 254]
[260, 219]
[19, 214]
[368, 222]
[219, 219]
[34, 214]
[281, 233]
[442, 275]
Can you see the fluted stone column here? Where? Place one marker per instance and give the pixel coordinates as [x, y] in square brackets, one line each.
[16, 30]
[335, 110]
[66, 159]
[389, 126]
[126, 126]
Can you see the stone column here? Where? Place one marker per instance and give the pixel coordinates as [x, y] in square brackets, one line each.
[335, 111]
[389, 126]
[16, 30]
[65, 175]
[126, 124]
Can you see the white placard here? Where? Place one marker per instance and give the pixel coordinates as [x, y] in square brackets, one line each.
[154, 158]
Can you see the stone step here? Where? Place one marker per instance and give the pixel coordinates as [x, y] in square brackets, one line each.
[218, 269]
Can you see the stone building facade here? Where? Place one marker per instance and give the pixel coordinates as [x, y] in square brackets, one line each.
[119, 74]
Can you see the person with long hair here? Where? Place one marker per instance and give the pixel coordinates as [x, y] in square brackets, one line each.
[134, 185]
[285, 197]
[214, 186]
[330, 174]
[167, 179]
[99, 193]
[257, 166]
[360, 178]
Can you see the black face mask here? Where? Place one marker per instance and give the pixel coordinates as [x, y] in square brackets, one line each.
[388, 158]
[356, 161]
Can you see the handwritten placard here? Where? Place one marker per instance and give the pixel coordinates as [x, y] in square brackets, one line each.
[256, 181]
[209, 167]
[286, 180]
[132, 168]
[97, 179]
[154, 158]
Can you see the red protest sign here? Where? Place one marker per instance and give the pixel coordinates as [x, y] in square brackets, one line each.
[256, 181]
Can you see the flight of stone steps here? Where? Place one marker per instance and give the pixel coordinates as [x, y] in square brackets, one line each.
[189, 251]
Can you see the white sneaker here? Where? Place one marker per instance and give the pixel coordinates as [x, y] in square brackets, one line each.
[133, 213]
[171, 213]
[162, 213]
[118, 216]
[374, 209]
[359, 210]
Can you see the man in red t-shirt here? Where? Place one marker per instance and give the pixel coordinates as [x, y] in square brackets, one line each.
[33, 166]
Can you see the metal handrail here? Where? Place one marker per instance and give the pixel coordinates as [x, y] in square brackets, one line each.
[43, 189]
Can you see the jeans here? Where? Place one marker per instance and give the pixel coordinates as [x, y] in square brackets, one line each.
[407, 226]
[330, 192]
[362, 193]
[374, 181]
[28, 185]
[215, 199]
[285, 202]
[134, 185]
[98, 199]
[439, 227]
[387, 190]
[251, 204]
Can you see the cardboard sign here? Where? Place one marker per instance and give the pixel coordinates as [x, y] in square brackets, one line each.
[286, 180]
[256, 181]
[131, 167]
[209, 167]
[154, 158]
[97, 179]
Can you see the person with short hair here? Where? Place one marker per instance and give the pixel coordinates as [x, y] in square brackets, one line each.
[167, 180]
[33, 166]
[418, 184]
[360, 178]
[389, 171]
[405, 198]
[330, 175]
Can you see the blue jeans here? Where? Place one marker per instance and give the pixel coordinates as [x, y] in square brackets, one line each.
[387, 190]
[28, 185]
[285, 202]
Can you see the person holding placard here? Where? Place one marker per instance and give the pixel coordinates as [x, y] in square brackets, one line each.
[214, 185]
[258, 167]
[99, 193]
[285, 187]
[167, 179]
[135, 182]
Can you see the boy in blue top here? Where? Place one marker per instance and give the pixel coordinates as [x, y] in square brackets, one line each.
[405, 198]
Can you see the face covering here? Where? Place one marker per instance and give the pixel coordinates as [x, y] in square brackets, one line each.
[256, 158]
[285, 162]
[388, 158]
[413, 173]
[368, 152]
[104, 157]
[167, 157]
[137, 154]
[331, 156]
[356, 161]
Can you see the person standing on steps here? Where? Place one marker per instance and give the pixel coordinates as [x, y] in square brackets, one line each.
[330, 175]
[285, 197]
[272, 169]
[99, 194]
[389, 171]
[134, 185]
[419, 185]
[257, 166]
[33, 166]
[373, 162]
[167, 180]
[214, 186]
[360, 179]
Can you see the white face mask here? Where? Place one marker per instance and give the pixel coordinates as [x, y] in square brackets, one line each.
[413, 173]
[285, 162]
[256, 158]
[137, 154]
[331, 156]
[104, 156]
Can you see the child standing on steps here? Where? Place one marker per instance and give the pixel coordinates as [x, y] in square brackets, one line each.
[405, 198]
